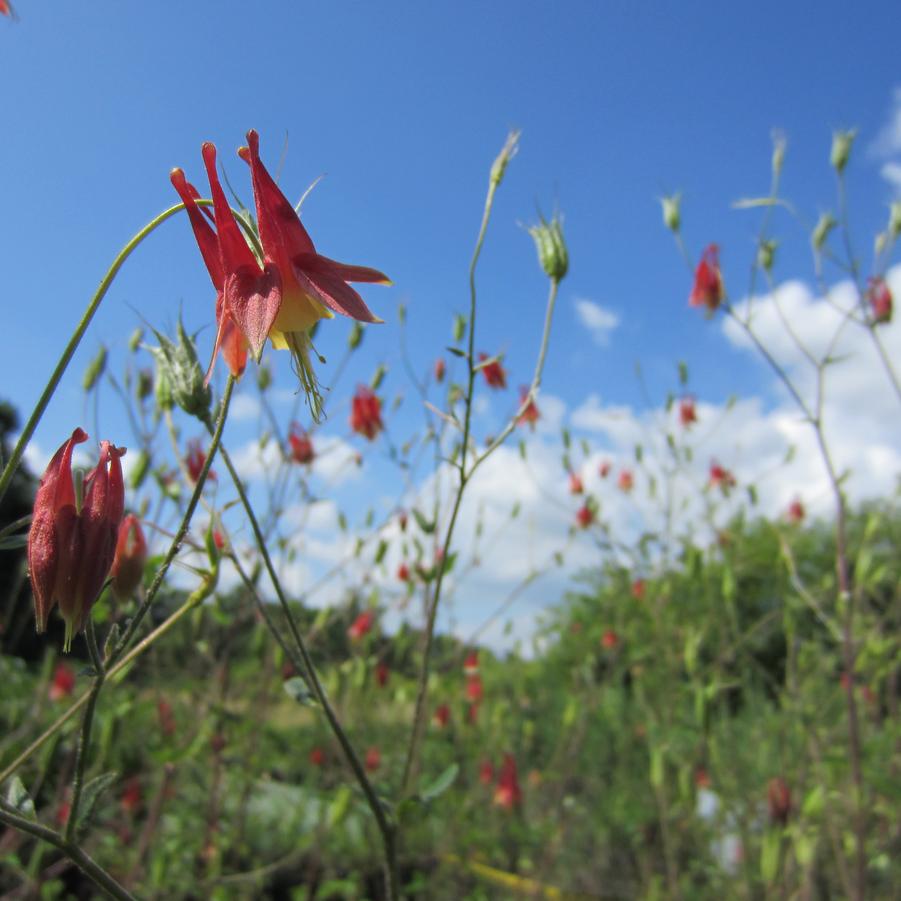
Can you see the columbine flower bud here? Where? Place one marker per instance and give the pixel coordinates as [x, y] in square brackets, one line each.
[95, 370]
[551, 247]
[130, 557]
[264, 377]
[766, 253]
[499, 166]
[355, 337]
[177, 365]
[880, 298]
[71, 545]
[672, 213]
[779, 143]
[841, 149]
[821, 230]
[894, 219]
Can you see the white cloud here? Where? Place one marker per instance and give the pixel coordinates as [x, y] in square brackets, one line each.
[600, 321]
[886, 146]
[244, 407]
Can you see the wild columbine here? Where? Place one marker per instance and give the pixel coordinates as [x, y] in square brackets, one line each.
[575, 483]
[604, 469]
[707, 290]
[442, 716]
[795, 512]
[638, 589]
[373, 759]
[72, 539]
[779, 800]
[366, 413]
[317, 757]
[361, 626]
[301, 445]
[508, 794]
[530, 414]
[721, 478]
[131, 554]
[626, 481]
[471, 664]
[281, 296]
[403, 573]
[132, 797]
[440, 370]
[495, 375]
[63, 682]
[166, 717]
[609, 640]
[486, 772]
[6, 8]
[475, 690]
[880, 298]
[584, 516]
[382, 673]
[195, 461]
[687, 412]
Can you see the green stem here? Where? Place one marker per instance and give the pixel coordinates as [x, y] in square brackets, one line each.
[81, 859]
[385, 827]
[84, 740]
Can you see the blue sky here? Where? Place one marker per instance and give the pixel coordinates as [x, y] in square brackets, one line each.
[403, 106]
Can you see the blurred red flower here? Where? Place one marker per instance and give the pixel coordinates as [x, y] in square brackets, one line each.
[795, 512]
[475, 690]
[366, 413]
[486, 772]
[638, 589]
[604, 469]
[626, 481]
[721, 478]
[508, 794]
[131, 554]
[317, 756]
[609, 639]
[494, 373]
[779, 800]
[403, 573]
[301, 445]
[361, 626]
[195, 460]
[63, 683]
[687, 412]
[880, 298]
[442, 715]
[440, 369]
[707, 289]
[373, 759]
[530, 414]
[132, 796]
[575, 483]
[584, 516]
[471, 663]
[166, 717]
[382, 672]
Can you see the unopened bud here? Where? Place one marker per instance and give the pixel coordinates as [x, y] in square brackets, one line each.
[766, 253]
[459, 327]
[552, 253]
[131, 554]
[672, 213]
[356, 336]
[264, 377]
[821, 230]
[841, 149]
[134, 342]
[144, 387]
[378, 377]
[179, 376]
[894, 219]
[95, 370]
[779, 143]
[139, 470]
[499, 166]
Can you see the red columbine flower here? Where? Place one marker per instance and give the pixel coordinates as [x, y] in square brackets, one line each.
[708, 286]
[6, 8]
[702, 778]
[72, 540]
[779, 800]
[63, 683]
[131, 796]
[626, 481]
[604, 469]
[609, 640]
[575, 483]
[638, 589]
[795, 512]
[402, 520]
[530, 414]
[366, 413]
[195, 460]
[486, 772]
[475, 690]
[471, 664]
[301, 445]
[880, 299]
[440, 370]
[131, 555]
[361, 626]
[382, 672]
[403, 573]
[687, 412]
[494, 373]
[721, 478]
[166, 717]
[508, 793]
[584, 516]
[317, 757]
[373, 759]
[311, 285]
[442, 716]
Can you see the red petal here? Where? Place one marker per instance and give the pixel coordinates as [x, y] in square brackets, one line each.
[326, 285]
[281, 231]
[203, 232]
[253, 299]
[351, 273]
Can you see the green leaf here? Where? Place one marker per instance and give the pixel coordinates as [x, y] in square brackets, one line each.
[424, 524]
[17, 796]
[380, 552]
[90, 796]
[441, 784]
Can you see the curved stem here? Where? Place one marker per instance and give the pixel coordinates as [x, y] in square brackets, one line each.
[81, 859]
[385, 827]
